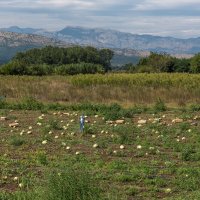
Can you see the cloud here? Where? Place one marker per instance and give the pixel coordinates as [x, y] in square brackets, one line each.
[166, 4]
[75, 4]
[179, 18]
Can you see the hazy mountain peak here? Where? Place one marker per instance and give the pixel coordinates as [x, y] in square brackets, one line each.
[101, 38]
[16, 29]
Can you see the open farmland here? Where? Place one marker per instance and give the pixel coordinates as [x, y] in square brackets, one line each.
[124, 89]
[153, 155]
[141, 138]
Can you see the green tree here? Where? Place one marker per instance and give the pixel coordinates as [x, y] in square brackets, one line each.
[105, 58]
[158, 62]
[182, 65]
[195, 64]
[14, 68]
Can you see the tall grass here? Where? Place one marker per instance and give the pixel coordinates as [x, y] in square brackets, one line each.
[69, 184]
[124, 89]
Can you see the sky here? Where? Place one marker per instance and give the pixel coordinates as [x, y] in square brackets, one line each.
[176, 18]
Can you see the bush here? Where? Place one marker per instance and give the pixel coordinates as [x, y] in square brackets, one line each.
[113, 112]
[195, 107]
[40, 70]
[80, 68]
[89, 129]
[32, 104]
[3, 103]
[160, 106]
[14, 68]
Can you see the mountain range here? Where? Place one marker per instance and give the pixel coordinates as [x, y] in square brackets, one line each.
[11, 43]
[124, 44]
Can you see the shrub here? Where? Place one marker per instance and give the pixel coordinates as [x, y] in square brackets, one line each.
[80, 68]
[39, 70]
[160, 106]
[89, 129]
[14, 68]
[195, 107]
[31, 104]
[3, 103]
[113, 112]
[125, 135]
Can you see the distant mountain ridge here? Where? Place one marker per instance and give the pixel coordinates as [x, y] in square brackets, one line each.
[11, 43]
[16, 29]
[106, 38]
[127, 47]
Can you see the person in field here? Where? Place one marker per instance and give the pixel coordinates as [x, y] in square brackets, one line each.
[82, 122]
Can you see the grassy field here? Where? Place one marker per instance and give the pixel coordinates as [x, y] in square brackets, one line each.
[151, 153]
[45, 154]
[124, 89]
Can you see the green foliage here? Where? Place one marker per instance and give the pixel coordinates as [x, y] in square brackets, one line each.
[62, 61]
[195, 107]
[195, 64]
[160, 106]
[19, 195]
[182, 65]
[129, 67]
[105, 58]
[71, 184]
[54, 124]
[188, 179]
[89, 129]
[81, 68]
[31, 104]
[187, 153]
[42, 158]
[14, 67]
[113, 112]
[146, 69]
[125, 135]
[160, 62]
[3, 103]
[16, 141]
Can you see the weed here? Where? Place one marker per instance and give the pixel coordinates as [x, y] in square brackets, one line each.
[71, 184]
[89, 129]
[16, 141]
[187, 153]
[54, 124]
[42, 158]
[160, 106]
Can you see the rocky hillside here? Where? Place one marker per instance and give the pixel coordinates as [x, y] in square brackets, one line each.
[10, 39]
[11, 43]
[127, 47]
[115, 39]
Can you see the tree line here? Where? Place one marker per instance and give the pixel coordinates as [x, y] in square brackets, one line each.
[162, 62]
[89, 60]
[56, 60]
